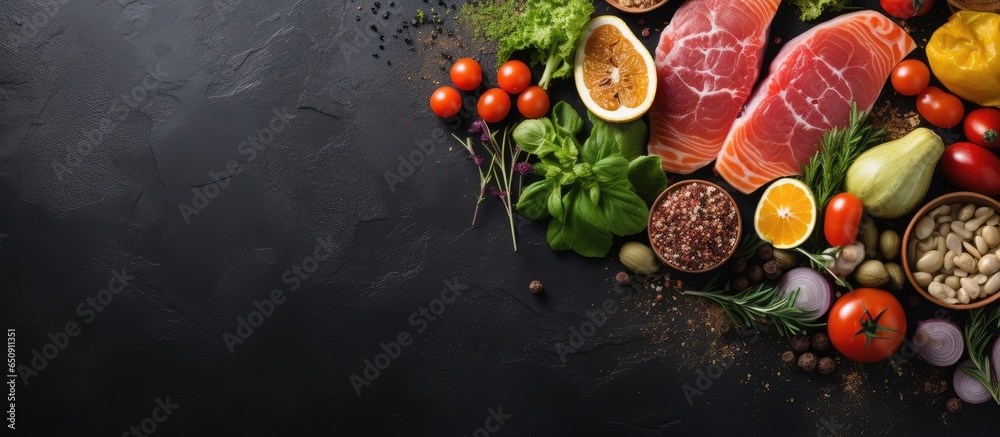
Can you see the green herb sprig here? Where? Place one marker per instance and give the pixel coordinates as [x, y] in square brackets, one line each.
[761, 301]
[977, 339]
[825, 172]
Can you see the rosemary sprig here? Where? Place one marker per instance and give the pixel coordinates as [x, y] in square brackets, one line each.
[977, 340]
[823, 262]
[825, 172]
[760, 301]
[748, 246]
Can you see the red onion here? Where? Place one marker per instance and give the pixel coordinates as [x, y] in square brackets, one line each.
[967, 388]
[996, 358]
[814, 292]
[939, 342]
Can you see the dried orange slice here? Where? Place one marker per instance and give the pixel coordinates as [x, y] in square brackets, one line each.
[615, 74]
[786, 214]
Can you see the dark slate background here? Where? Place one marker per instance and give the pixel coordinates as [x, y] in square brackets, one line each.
[116, 113]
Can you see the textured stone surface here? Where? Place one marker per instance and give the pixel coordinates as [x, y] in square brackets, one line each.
[199, 78]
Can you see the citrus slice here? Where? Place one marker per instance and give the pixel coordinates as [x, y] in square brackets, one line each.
[786, 214]
[615, 74]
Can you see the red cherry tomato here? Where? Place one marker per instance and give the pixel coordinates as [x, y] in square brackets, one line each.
[533, 102]
[445, 102]
[940, 108]
[466, 74]
[514, 76]
[842, 219]
[910, 77]
[867, 325]
[982, 127]
[906, 8]
[493, 105]
[972, 168]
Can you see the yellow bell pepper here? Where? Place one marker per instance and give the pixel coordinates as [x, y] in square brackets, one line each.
[964, 54]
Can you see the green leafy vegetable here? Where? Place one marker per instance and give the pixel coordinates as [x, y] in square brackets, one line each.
[977, 339]
[590, 191]
[550, 28]
[811, 9]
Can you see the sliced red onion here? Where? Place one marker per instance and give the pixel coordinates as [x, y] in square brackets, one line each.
[939, 342]
[814, 292]
[967, 388]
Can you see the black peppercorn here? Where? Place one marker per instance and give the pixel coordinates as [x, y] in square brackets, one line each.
[623, 278]
[826, 365]
[741, 283]
[535, 286]
[788, 357]
[820, 341]
[772, 270]
[807, 361]
[765, 252]
[755, 273]
[954, 405]
[738, 265]
[800, 343]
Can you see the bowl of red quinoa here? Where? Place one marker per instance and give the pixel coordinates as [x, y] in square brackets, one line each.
[694, 226]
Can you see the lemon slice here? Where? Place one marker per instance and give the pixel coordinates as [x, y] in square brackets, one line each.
[615, 74]
[786, 214]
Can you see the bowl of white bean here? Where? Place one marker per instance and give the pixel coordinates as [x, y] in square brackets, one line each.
[951, 250]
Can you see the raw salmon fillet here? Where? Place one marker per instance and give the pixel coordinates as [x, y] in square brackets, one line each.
[707, 62]
[809, 90]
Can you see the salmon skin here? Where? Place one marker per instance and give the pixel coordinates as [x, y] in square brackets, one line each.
[707, 62]
[809, 90]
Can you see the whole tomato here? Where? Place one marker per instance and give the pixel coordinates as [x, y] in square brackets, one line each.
[867, 324]
[842, 219]
[972, 168]
[940, 108]
[982, 127]
[906, 8]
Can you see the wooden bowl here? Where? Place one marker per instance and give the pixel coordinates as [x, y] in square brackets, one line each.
[975, 5]
[633, 10]
[659, 200]
[957, 197]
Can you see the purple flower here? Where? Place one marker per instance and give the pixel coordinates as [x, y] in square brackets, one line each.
[485, 136]
[494, 191]
[523, 167]
[477, 126]
[517, 148]
[478, 160]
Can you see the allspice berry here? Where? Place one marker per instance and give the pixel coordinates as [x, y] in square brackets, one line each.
[755, 273]
[800, 343]
[954, 405]
[623, 278]
[765, 252]
[535, 286]
[807, 361]
[740, 283]
[788, 357]
[772, 270]
[738, 265]
[826, 365]
[820, 341]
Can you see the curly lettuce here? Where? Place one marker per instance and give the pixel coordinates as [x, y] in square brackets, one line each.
[811, 9]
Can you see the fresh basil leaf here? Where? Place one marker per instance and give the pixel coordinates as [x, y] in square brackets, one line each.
[565, 118]
[600, 145]
[567, 177]
[632, 138]
[645, 173]
[567, 152]
[554, 235]
[535, 136]
[595, 194]
[584, 230]
[533, 203]
[583, 170]
[610, 168]
[624, 212]
[555, 203]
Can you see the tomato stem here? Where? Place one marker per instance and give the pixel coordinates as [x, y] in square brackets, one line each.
[870, 326]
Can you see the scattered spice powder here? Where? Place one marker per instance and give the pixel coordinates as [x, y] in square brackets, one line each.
[695, 227]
